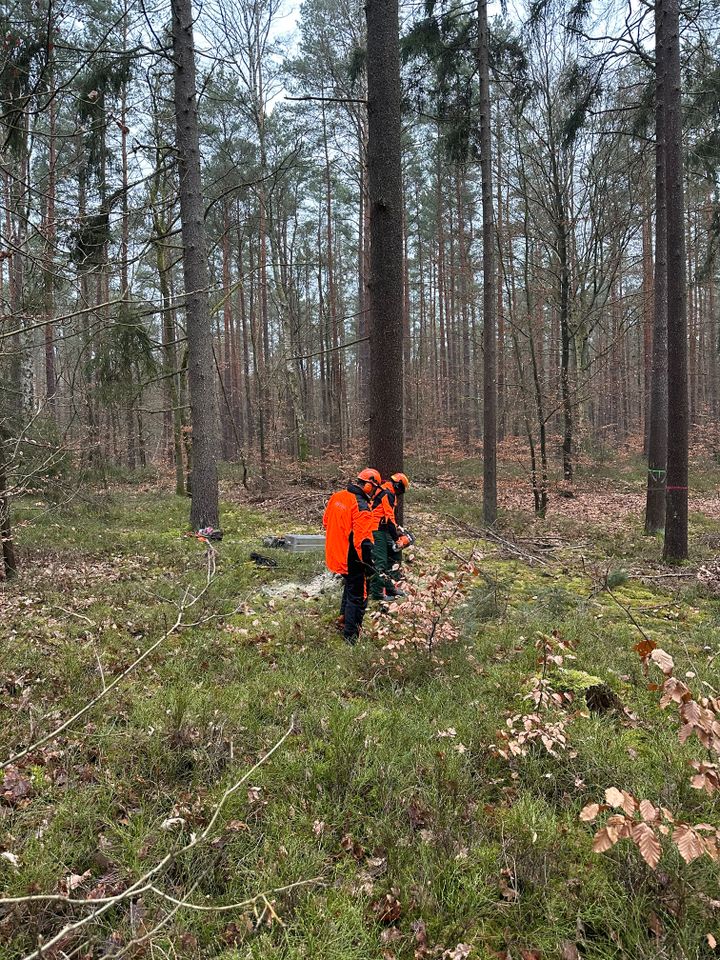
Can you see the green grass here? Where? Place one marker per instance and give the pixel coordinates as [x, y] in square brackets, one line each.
[364, 794]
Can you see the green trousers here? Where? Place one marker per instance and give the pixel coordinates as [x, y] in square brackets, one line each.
[384, 558]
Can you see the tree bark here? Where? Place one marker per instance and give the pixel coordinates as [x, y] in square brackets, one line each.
[658, 431]
[386, 237]
[204, 510]
[489, 278]
[676, 516]
[8, 546]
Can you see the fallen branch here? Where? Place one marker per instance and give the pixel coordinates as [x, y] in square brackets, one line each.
[629, 614]
[226, 907]
[486, 533]
[72, 613]
[143, 883]
[184, 605]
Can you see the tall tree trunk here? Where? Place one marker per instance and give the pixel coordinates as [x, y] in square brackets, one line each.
[658, 432]
[204, 510]
[648, 313]
[50, 238]
[500, 304]
[676, 517]
[334, 360]
[386, 240]
[489, 278]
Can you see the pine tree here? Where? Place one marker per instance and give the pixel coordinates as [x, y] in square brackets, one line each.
[201, 367]
[386, 237]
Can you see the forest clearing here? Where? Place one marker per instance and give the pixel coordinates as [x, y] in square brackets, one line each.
[395, 820]
[359, 480]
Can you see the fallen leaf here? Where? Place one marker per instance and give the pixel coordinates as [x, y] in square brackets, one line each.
[614, 797]
[387, 909]
[460, 952]
[15, 788]
[73, 881]
[172, 822]
[663, 660]
[588, 813]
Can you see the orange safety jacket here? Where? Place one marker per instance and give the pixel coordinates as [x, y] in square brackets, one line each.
[383, 509]
[348, 518]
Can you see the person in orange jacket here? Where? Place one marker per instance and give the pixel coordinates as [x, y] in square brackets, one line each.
[348, 523]
[387, 536]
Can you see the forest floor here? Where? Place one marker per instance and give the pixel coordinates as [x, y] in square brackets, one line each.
[402, 817]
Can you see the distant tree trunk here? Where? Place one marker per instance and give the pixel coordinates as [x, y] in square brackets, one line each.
[8, 546]
[204, 510]
[50, 237]
[386, 236]
[489, 278]
[229, 427]
[658, 431]
[500, 304]
[242, 307]
[648, 313]
[363, 324]
[335, 379]
[676, 518]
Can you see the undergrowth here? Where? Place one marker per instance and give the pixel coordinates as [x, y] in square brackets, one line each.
[407, 832]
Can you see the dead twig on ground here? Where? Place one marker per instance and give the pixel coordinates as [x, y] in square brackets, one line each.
[143, 883]
[486, 533]
[184, 605]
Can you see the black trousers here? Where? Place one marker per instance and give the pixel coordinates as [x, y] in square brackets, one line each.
[354, 598]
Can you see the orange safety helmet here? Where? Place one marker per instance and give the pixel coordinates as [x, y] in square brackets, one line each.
[400, 479]
[369, 479]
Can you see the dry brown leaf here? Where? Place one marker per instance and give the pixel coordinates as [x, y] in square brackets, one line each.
[663, 660]
[648, 843]
[689, 843]
[588, 813]
[387, 909]
[614, 797]
[648, 812]
[604, 841]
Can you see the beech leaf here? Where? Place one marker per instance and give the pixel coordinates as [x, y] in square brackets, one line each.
[663, 660]
[604, 841]
[588, 813]
[689, 843]
[648, 812]
[614, 797]
[648, 843]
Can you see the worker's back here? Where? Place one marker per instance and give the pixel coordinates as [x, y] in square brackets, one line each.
[383, 505]
[343, 517]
